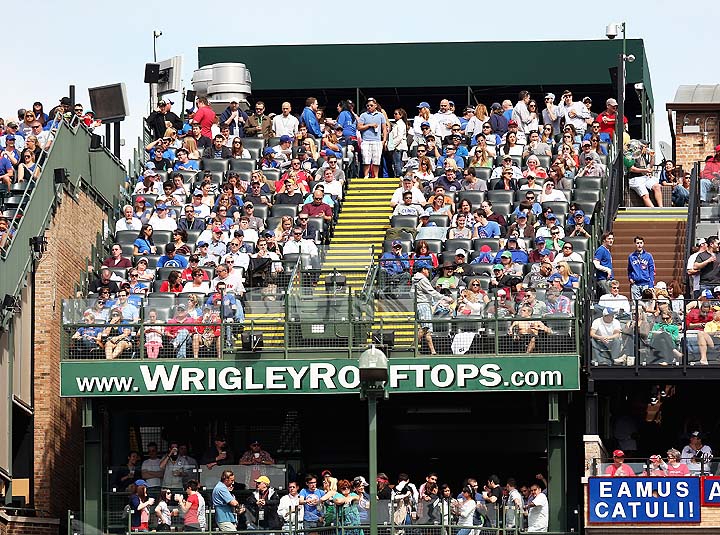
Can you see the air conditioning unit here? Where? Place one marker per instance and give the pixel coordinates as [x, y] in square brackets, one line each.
[222, 83]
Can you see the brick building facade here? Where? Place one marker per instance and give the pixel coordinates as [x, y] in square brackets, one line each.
[696, 114]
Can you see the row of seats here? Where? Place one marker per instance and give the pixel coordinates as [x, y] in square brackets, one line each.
[580, 244]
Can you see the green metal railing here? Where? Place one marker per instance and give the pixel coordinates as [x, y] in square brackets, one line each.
[96, 171]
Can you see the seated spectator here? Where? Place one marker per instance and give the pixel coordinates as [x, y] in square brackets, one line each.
[219, 454]
[540, 252]
[591, 167]
[664, 338]
[116, 259]
[103, 282]
[567, 254]
[439, 207]
[256, 455]
[507, 163]
[547, 223]
[675, 466]
[268, 160]
[484, 228]
[145, 275]
[446, 277]
[482, 154]
[557, 303]
[669, 177]
[238, 151]
[618, 468]
[302, 245]
[423, 256]
[130, 312]
[521, 228]
[614, 300]
[283, 151]
[507, 182]
[263, 269]
[566, 277]
[536, 147]
[470, 182]
[501, 306]
[300, 176]
[438, 190]
[179, 331]
[332, 186]
[594, 131]
[117, 336]
[254, 222]
[161, 219]
[605, 333]
[407, 185]
[525, 331]
[576, 226]
[207, 335]
[517, 255]
[539, 273]
[290, 193]
[218, 150]
[317, 207]
[549, 193]
[197, 284]
[174, 283]
[257, 196]
[87, 337]
[508, 274]
[460, 230]
[128, 221]
[407, 207]
[640, 170]
[534, 171]
[395, 267]
[307, 162]
[696, 320]
[449, 181]
[424, 174]
[171, 258]
[183, 162]
[529, 298]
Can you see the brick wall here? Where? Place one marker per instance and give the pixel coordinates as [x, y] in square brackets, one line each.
[20, 525]
[690, 148]
[58, 451]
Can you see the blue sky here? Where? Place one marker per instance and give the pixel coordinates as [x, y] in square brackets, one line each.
[97, 43]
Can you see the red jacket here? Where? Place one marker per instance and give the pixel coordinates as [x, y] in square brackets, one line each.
[711, 166]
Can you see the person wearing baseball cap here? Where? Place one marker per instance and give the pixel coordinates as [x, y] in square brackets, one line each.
[606, 341]
[608, 118]
[160, 116]
[618, 468]
[262, 506]
[395, 269]
[514, 128]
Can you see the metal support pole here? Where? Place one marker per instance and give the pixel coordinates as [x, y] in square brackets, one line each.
[557, 460]
[116, 144]
[619, 126]
[372, 464]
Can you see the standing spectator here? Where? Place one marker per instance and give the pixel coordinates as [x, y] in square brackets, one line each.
[425, 294]
[575, 113]
[641, 269]
[225, 502]
[373, 129]
[696, 449]
[285, 124]
[310, 499]
[259, 124]
[550, 114]
[193, 507]
[158, 119]
[139, 503]
[602, 260]
[261, 506]
[309, 117]
[151, 469]
[538, 514]
[608, 118]
[205, 117]
[290, 511]
[618, 468]
[397, 141]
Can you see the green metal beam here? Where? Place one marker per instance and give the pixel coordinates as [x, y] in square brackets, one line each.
[557, 459]
[93, 469]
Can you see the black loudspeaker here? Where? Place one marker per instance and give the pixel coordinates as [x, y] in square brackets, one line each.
[109, 102]
[190, 96]
[252, 342]
[60, 174]
[152, 73]
[95, 142]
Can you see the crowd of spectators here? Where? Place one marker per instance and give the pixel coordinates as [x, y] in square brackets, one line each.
[317, 502]
[493, 213]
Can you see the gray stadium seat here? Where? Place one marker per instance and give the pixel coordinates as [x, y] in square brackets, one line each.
[214, 164]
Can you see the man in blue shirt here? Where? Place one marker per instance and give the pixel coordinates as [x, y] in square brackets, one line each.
[395, 266]
[310, 500]
[641, 269]
[170, 259]
[224, 502]
[485, 228]
[183, 163]
[309, 119]
[602, 260]
[373, 129]
[595, 129]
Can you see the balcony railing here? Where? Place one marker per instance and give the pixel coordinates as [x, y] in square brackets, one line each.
[653, 334]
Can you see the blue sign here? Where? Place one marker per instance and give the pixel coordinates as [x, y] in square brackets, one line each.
[650, 500]
[711, 491]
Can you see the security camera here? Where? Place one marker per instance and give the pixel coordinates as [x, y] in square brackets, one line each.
[639, 86]
[611, 31]
[630, 58]
[157, 33]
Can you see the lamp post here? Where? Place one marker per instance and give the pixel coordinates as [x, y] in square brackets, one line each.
[154, 87]
[373, 366]
[611, 32]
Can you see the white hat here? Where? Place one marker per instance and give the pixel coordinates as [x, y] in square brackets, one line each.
[460, 252]
[660, 285]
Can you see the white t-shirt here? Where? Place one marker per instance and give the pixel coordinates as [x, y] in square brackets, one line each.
[620, 302]
[538, 515]
[152, 465]
[604, 329]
